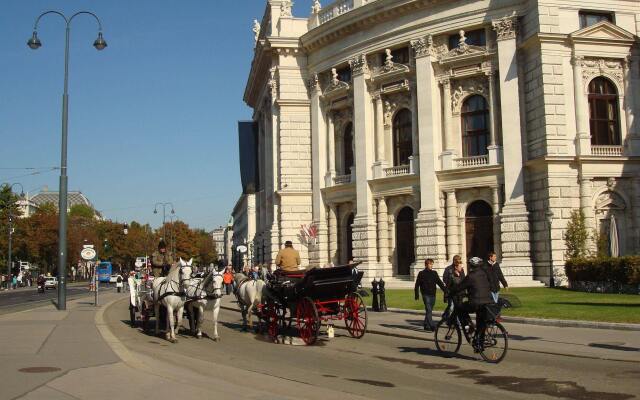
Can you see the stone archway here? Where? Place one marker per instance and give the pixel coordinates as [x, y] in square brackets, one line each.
[405, 241]
[479, 229]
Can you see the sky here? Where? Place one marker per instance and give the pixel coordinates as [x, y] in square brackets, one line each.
[152, 118]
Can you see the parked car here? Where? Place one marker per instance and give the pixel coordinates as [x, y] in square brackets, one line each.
[113, 278]
[50, 282]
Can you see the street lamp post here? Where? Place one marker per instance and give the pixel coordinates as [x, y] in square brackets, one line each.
[34, 43]
[549, 216]
[10, 243]
[164, 214]
[172, 234]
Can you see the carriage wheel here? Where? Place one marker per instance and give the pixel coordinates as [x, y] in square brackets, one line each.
[144, 314]
[273, 320]
[355, 315]
[307, 320]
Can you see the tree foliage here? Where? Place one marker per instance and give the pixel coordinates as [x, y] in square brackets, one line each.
[576, 236]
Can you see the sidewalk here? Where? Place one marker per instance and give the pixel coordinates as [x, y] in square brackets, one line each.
[609, 344]
[70, 355]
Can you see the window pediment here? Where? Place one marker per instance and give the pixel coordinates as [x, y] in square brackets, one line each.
[602, 31]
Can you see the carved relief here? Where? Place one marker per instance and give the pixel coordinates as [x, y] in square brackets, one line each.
[359, 65]
[506, 27]
[394, 103]
[341, 119]
[609, 201]
[335, 84]
[272, 83]
[422, 47]
[256, 29]
[463, 48]
[285, 9]
[592, 68]
[313, 84]
[478, 85]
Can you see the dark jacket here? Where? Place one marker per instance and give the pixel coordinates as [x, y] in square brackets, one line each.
[496, 276]
[426, 283]
[452, 285]
[478, 285]
[447, 275]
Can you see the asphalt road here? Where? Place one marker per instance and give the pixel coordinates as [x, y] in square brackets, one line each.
[384, 367]
[25, 298]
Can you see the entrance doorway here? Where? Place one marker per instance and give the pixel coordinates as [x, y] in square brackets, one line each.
[405, 246]
[479, 229]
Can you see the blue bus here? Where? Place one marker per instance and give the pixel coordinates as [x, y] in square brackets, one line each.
[104, 271]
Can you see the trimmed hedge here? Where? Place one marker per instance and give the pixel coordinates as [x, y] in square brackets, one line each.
[619, 270]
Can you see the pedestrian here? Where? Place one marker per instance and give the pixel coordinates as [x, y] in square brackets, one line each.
[14, 282]
[119, 283]
[454, 300]
[227, 279]
[288, 259]
[426, 286]
[495, 275]
[447, 275]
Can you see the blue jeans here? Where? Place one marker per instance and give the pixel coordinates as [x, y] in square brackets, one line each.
[429, 302]
[495, 296]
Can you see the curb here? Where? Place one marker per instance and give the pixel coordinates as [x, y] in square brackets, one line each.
[559, 323]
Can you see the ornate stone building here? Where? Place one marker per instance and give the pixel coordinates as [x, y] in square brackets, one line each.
[407, 129]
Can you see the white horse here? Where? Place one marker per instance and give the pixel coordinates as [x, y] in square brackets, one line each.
[249, 295]
[198, 291]
[169, 291]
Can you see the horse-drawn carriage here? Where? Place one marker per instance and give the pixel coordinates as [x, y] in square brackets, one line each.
[141, 302]
[329, 294]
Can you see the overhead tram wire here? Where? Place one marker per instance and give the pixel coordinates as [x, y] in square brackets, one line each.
[30, 174]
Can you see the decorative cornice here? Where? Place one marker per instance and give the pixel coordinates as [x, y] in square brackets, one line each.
[272, 83]
[359, 65]
[467, 88]
[612, 69]
[506, 27]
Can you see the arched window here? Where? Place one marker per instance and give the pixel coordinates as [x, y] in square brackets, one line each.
[475, 126]
[402, 137]
[603, 113]
[347, 149]
[479, 229]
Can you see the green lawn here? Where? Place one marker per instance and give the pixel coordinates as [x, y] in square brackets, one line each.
[546, 303]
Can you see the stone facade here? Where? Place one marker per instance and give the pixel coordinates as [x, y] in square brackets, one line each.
[369, 112]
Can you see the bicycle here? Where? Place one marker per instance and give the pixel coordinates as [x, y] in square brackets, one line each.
[493, 349]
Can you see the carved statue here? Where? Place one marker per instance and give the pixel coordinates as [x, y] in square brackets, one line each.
[285, 9]
[463, 39]
[388, 63]
[334, 77]
[256, 29]
[316, 7]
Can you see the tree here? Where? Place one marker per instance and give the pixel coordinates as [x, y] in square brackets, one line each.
[207, 252]
[576, 236]
[81, 210]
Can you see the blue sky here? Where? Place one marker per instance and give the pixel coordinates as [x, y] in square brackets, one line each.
[151, 119]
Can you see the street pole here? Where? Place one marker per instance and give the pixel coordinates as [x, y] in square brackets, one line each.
[164, 215]
[10, 243]
[34, 43]
[549, 215]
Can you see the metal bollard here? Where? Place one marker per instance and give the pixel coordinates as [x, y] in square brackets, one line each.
[381, 294]
[374, 292]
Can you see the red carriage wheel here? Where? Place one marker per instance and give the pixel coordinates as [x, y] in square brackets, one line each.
[273, 320]
[355, 315]
[307, 320]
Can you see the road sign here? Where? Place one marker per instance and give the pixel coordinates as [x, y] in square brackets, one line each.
[242, 248]
[88, 254]
[139, 264]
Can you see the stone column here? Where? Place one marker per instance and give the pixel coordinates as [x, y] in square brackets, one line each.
[453, 235]
[635, 190]
[430, 227]
[414, 161]
[364, 229]
[516, 247]
[586, 206]
[331, 150]
[495, 200]
[381, 163]
[318, 162]
[448, 154]
[631, 106]
[383, 235]
[333, 233]
[583, 136]
[495, 156]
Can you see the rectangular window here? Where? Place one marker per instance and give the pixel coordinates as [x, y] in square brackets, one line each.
[476, 38]
[588, 18]
[344, 74]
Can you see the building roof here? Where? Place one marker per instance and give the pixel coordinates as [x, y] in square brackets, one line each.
[73, 198]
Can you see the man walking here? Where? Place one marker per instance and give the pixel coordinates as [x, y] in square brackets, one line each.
[495, 275]
[288, 259]
[426, 285]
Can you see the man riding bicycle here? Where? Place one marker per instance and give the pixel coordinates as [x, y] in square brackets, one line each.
[478, 285]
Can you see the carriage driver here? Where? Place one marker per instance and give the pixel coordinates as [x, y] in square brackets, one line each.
[161, 260]
[288, 259]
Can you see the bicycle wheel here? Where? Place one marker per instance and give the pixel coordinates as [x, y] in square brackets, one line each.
[496, 342]
[448, 337]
